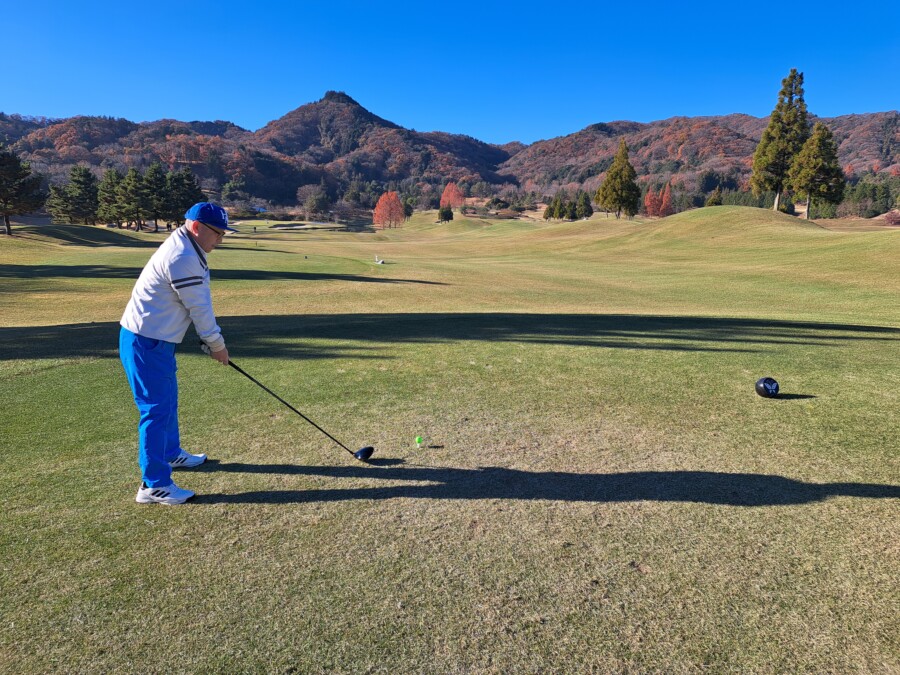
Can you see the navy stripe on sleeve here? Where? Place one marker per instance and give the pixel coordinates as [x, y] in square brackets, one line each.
[192, 283]
[178, 281]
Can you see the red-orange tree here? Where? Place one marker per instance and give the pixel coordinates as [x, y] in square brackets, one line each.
[452, 196]
[651, 202]
[665, 203]
[388, 211]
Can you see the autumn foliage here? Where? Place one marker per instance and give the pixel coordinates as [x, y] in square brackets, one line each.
[665, 203]
[452, 196]
[659, 203]
[651, 202]
[388, 211]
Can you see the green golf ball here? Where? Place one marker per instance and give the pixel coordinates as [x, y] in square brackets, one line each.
[418, 440]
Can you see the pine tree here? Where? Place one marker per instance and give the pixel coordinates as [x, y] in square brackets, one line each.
[108, 208]
[20, 190]
[76, 201]
[133, 198]
[782, 139]
[583, 208]
[816, 173]
[182, 192]
[155, 187]
[57, 205]
[619, 192]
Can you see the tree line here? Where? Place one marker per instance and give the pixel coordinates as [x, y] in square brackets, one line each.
[122, 200]
[793, 159]
[126, 200]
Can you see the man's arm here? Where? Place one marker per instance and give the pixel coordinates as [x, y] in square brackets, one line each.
[191, 283]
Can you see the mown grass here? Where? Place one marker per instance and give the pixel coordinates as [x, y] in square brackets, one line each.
[599, 487]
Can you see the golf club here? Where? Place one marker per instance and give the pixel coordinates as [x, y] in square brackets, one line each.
[362, 454]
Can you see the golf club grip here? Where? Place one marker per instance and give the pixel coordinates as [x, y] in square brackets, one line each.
[260, 384]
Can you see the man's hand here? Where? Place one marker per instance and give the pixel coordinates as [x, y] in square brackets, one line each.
[221, 356]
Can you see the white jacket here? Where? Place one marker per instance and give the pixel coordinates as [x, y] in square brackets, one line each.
[173, 291]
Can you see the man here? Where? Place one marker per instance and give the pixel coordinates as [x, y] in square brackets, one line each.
[171, 292]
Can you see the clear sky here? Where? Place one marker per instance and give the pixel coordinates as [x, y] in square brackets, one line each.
[498, 71]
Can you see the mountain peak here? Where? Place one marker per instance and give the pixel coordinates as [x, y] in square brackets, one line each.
[339, 97]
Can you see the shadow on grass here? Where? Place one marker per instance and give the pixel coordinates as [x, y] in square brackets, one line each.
[114, 272]
[732, 489]
[290, 336]
[92, 236]
[88, 235]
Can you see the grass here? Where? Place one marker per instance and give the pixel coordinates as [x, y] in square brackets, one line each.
[599, 487]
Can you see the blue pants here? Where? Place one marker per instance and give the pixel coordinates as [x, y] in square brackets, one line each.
[150, 368]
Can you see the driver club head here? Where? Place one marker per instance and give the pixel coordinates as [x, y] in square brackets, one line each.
[363, 454]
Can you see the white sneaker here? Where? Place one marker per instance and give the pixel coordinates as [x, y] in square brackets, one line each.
[186, 460]
[171, 494]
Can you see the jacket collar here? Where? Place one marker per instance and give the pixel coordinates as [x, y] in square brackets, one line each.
[200, 254]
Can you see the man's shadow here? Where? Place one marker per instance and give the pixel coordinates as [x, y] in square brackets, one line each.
[422, 482]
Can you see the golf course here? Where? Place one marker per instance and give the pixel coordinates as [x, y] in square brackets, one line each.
[598, 487]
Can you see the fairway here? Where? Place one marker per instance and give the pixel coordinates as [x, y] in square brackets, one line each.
[599, 488]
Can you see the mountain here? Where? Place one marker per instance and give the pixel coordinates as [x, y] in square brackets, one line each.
[692, 150]
[338, 142]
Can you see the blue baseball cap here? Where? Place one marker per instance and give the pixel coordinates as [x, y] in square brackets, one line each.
[209, 214]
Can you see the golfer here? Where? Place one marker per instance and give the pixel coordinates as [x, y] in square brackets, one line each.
[172, 292]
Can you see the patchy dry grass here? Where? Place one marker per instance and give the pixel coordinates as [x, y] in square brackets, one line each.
[599, 487]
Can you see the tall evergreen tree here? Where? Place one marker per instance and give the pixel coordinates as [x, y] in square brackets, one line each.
[133, 198]
[20, 189]
[583, 208]
[783, 138]
[77, 201]
[83, 195]
[155, 187]
[816, 173]
[182, 192]
[109, 209]
[619, 192]
[57, 204]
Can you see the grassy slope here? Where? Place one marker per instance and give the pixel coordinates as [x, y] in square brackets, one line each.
[644, 510]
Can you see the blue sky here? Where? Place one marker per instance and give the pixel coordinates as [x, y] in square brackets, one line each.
[496, 71]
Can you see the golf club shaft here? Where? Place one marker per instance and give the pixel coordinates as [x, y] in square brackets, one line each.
[260, 384]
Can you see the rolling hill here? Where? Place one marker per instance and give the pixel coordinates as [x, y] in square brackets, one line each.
[338, 141]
